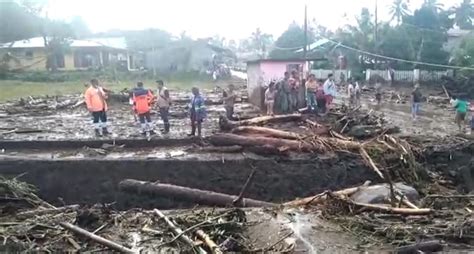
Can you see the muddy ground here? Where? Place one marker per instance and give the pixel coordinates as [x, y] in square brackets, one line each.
[78, 172]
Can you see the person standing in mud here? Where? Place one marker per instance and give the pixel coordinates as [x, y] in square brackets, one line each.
[142, 100]
[294, 86]
[416, 98]
[329, 91]
[95, 98]
[164, 102]
[321, 98]
[311, 87]
[378, 93]
[282, 97]
[270, 94]
[461, 107]
[198, 112]
[228, 98]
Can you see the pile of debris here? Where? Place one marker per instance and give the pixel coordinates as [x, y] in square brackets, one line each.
[28, 223]
[42, 104]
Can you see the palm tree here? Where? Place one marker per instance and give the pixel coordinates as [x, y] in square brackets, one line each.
[433, 4]
[260, 41]
[399, 10]
[464, 14]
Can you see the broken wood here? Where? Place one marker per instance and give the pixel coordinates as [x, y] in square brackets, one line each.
[370, 162]
[208, 241]
[96, 238]
[176, 230]
[40, 212]
[238, 200]
[394, 210]
[266, 132]
[319, 198]
[226, 124]
[446, 92]
[184, 193]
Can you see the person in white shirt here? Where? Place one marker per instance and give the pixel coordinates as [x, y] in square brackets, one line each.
[329, 91]
[351, 93]
[163, 101]
[357, 94]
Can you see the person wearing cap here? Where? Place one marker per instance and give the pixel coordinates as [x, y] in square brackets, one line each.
[197, 111]
[164, 102]
[95, 98]
[143, 99]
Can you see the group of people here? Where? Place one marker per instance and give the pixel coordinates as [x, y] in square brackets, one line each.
[284, 96]
[142, 101]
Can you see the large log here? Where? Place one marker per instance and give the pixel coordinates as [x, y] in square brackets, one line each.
[421, 247]
[232, 139]
[266, 132]
[184, 193]
[226, 124]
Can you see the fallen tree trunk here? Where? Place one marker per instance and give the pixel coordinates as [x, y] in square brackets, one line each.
[232, 139]
[184, 193]
[422, 247]
[226, 124]
[266, 132]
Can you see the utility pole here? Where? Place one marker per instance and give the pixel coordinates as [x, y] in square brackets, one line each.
[376, 32]
[305, 50]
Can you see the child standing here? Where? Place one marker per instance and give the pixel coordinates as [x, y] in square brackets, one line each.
[270, 94]
[228, 97]
[198, 112]
[321, 98]
[311, 87]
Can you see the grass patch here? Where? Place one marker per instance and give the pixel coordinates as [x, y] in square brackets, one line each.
[14, 89]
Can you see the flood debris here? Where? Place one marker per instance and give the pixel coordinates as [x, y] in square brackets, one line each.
[29, 223]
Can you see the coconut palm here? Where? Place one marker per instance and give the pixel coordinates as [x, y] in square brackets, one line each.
[398, 10]
[433, 4]
[464, 14]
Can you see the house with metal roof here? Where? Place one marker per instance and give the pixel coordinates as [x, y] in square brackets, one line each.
[87, 54]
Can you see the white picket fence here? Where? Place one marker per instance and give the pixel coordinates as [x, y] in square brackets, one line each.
[323, 74]
[410, 76]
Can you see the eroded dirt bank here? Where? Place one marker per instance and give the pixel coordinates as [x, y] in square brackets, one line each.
[96, 181]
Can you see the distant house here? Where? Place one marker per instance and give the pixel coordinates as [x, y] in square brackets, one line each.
[260, 72]
[455, 37]
[80, 55]
[187, 56]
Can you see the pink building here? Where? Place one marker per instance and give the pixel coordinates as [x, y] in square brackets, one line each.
[261, 72]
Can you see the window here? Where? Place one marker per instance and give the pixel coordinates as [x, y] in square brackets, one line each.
[29, 54]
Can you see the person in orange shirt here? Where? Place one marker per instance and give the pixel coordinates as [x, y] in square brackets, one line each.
[95, 98]
[143, 99]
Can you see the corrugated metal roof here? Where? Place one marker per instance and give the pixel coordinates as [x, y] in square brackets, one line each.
[38, 42]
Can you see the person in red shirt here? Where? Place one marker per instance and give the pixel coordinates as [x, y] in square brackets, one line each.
[142, 99]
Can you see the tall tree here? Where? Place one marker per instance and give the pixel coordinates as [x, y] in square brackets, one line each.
[399, 10]
[463, 15]
[290, 41]
[434, 5]
[17, 22]
[260, 41]
[79, 27]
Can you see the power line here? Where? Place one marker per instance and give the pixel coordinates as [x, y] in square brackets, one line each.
[398, 59]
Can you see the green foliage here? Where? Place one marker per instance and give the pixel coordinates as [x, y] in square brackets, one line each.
[17, 22]
[464, 55]
[463, 15]
[292, 38]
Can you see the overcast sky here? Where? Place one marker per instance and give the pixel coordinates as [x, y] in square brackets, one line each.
[201, 18]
